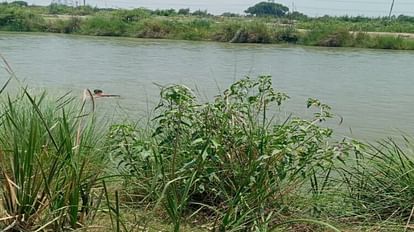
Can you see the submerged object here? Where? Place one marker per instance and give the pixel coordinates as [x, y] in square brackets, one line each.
[100, 93]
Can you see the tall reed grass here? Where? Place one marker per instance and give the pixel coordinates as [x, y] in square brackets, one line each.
[380, 183]
[50, 162]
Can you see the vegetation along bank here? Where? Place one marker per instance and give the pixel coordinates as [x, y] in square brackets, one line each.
[266, 22]
[224, 165]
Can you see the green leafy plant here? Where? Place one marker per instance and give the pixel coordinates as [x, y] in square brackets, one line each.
[227, 159]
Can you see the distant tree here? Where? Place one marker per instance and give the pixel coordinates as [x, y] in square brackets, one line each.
[405, 18]
[203, 13]
[168, 12]
[229, 14]
[269, 8]
[297, 16]
[133, 15]
[184, 11]
[19, 3]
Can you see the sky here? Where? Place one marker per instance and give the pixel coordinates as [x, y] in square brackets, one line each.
[309, 7]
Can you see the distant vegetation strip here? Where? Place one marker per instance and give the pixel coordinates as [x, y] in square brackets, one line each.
[292, 28]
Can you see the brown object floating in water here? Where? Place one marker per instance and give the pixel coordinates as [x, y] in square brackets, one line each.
[99, 93]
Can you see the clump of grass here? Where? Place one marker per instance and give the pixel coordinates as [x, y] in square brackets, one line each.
[69, 26]
[103, 25]
[252, 32]
[380, 183]
[327, 36]
[196, 29]
[49, 163]
[19, 19]
[388, 42]
[225, 32]
[153, 28]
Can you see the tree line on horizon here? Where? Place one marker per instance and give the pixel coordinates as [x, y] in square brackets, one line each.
[268, 8]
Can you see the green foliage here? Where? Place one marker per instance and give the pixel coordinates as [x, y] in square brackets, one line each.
[19, 19]
[201, 13]
[169, 12]
[60, 9]
[295, 15]
[230, 14]
[135, 15]
[185, 11]
[153, 28]
[200, 25]
[360, 24]
[71, 25]
[380, 183]
[389, 42]
[49, 163]
[269, 8]
[287, 34]
[328, 36]
[227, 159]
[19, 3]
[103, 25]
[226, 32]
[249, 32]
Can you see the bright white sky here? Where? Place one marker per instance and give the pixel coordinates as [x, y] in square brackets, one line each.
[310, 7]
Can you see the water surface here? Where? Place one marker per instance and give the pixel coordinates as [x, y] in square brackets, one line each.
[371, 89]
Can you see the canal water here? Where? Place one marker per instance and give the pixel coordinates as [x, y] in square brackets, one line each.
[372, 90]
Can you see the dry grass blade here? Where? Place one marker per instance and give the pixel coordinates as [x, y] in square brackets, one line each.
[7, 218]
[10, 186]
[409, 220]
[47, 224]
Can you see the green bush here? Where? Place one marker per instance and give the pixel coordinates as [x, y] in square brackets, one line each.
[328, 36]
[19, 19]
[135, 15]
[389, 42]
[226, 31]
[103, 25]
[68, 26]
[227, 159]
[244, 32]
[154, 28]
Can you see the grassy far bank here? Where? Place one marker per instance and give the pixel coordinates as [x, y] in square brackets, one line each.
[224, 165]
[199, 25]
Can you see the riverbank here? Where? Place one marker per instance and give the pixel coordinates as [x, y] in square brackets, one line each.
[141, 23]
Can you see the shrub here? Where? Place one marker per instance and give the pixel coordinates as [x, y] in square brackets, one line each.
[246, 32]
[389, 42]
[225, 32]
[154, 28]
[328, 36]
[135, 15]
[339, 38]
[19, 19]
[103, 25]
[226, 159]
[71, 25]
